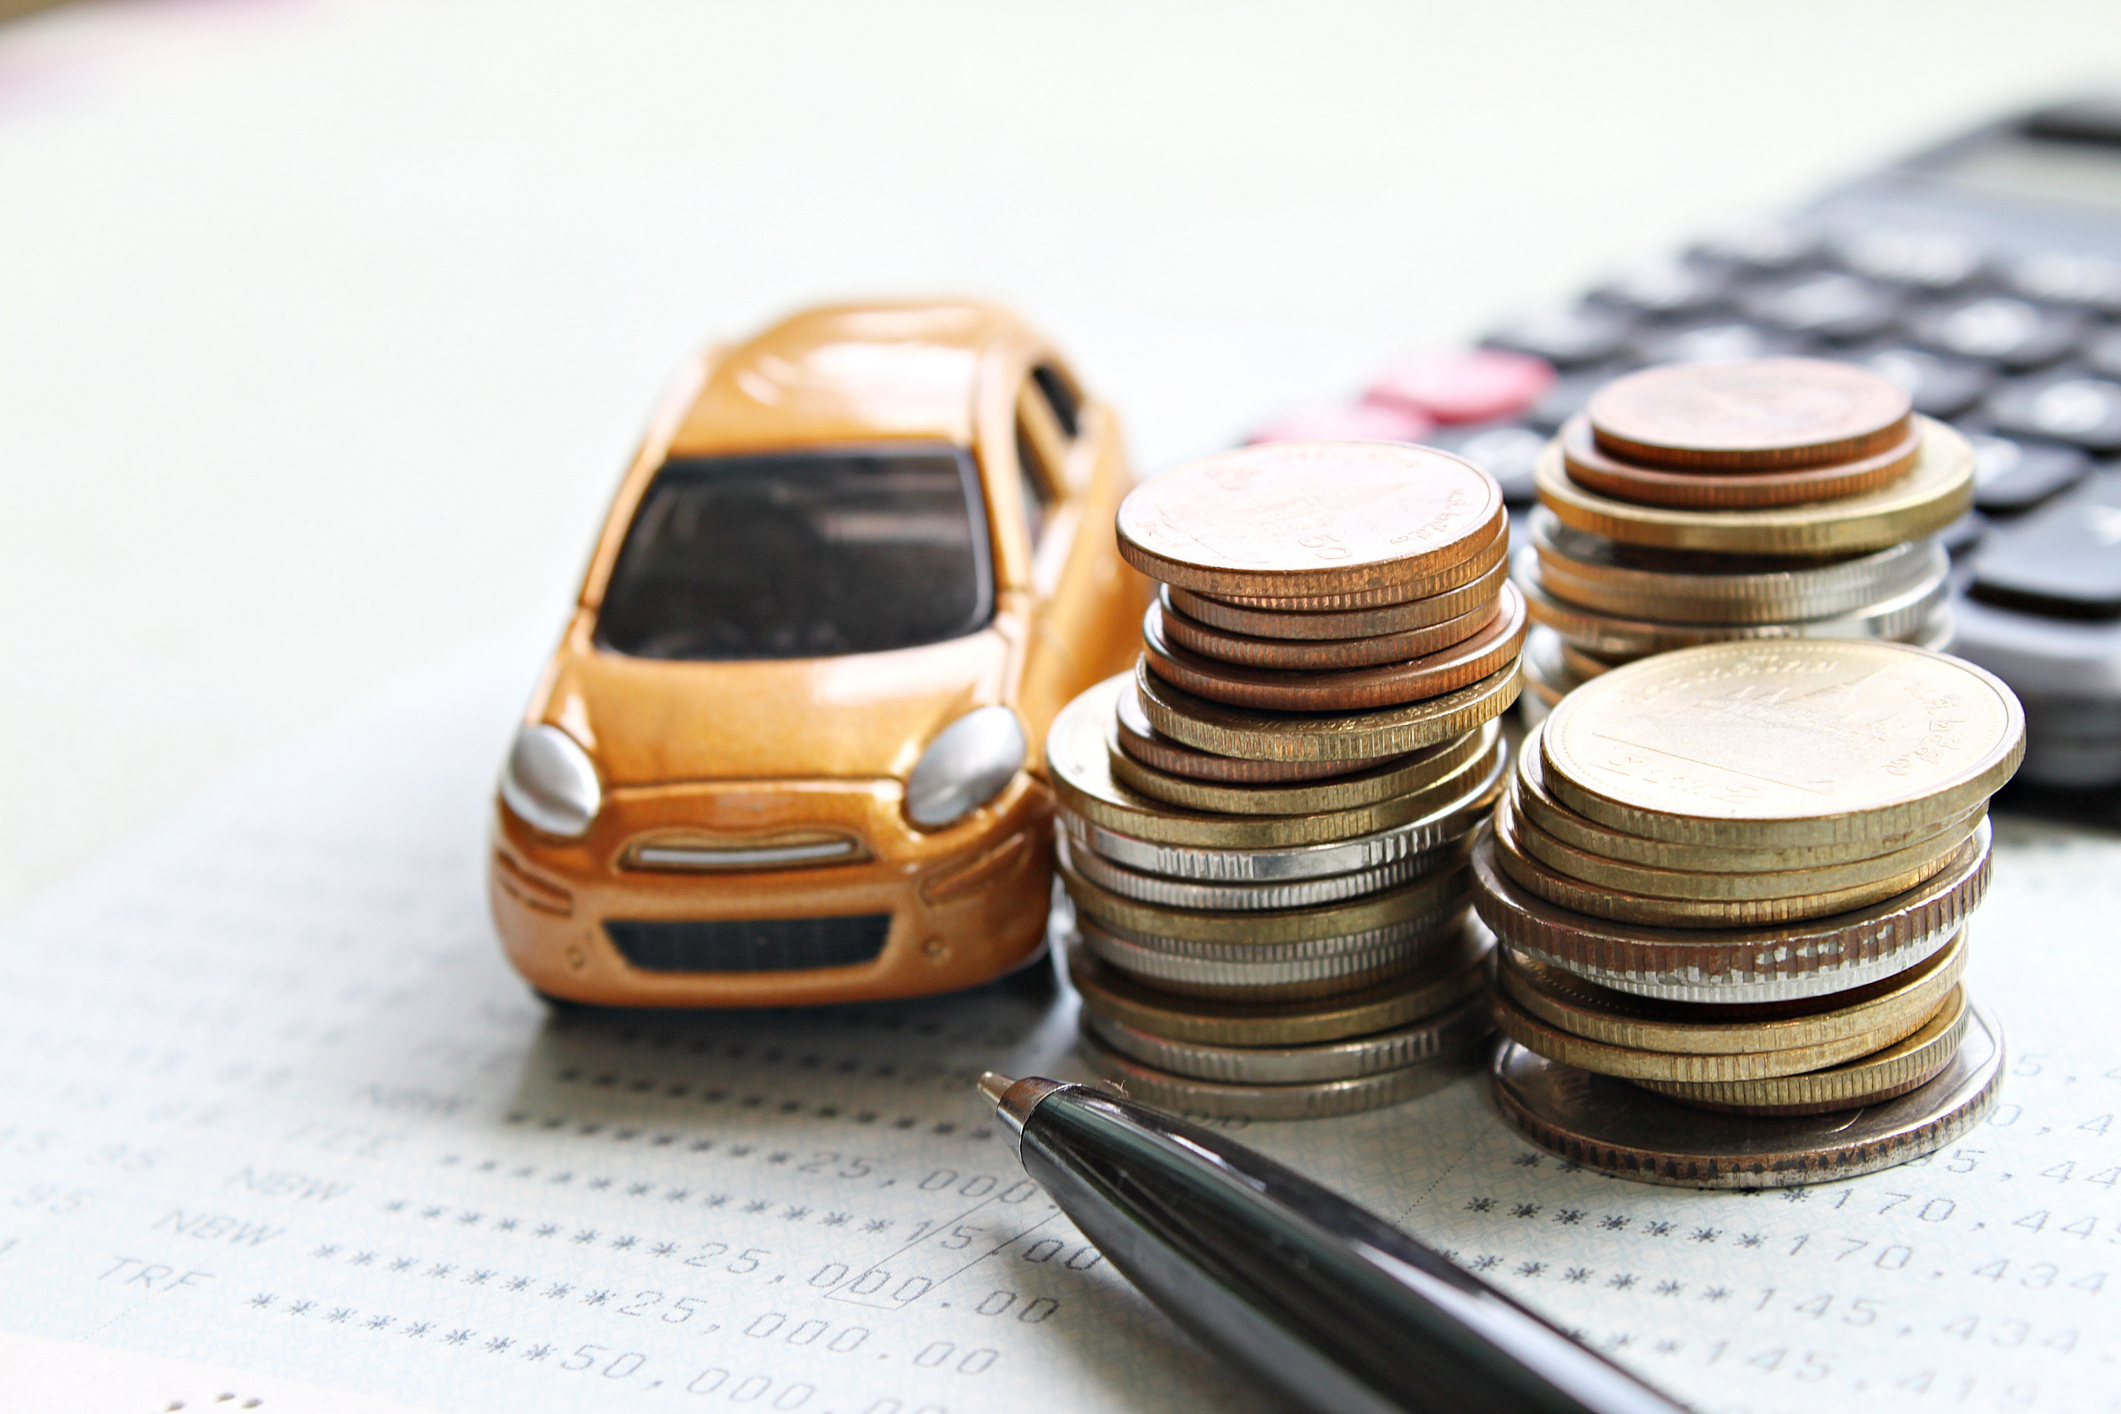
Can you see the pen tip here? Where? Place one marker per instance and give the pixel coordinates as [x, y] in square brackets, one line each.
[994, 1085]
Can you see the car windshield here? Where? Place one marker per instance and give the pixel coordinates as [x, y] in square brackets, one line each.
[802, 555]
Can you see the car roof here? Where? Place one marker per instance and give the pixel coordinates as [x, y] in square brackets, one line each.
[851, 373]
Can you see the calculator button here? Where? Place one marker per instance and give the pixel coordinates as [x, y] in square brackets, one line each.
[1346, 422]
[1716, 343]
[2042, 657]
[1930, 260]
[1666, 288]
[1566, 337]
[2015, 333]
[1766, 245]
[2011, 476]
[2084, 412]
[2067, 277]
[2103, 352]
[1839, 307]
[1506, 452]
[2063, 560]
[1476, 385]
[1939, 386]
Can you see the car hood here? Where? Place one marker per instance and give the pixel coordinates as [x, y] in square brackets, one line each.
[649, 722]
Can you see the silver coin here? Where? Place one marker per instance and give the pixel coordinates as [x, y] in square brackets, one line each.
[1434, 836]
[1908, 611]
[1690, 587]
[1607, 1124]
[1291, 970]
[1772, 963]
[1452, 1031]
[1316, 1100]
[1299, 893]
[1938, 633]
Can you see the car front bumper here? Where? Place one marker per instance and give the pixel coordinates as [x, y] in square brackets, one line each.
[964, 904]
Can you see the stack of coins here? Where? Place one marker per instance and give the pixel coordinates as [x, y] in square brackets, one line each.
[1777, 498]
[1264, 828]
[1732, 887]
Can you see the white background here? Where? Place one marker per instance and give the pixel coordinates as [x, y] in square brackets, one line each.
[325, 327]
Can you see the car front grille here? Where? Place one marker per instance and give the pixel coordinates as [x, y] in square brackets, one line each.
[751, 944]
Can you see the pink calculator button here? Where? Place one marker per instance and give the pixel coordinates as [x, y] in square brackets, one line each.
[1475, 385]
[1347, 422]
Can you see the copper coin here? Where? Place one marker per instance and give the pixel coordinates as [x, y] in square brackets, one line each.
[1761, 414]
[1618, 1128]
[1415, 680]
[1401, 775]
[1321, 736]
[1153, 749]
[1592, 467]
[1475, 569]
[1308, 626]
[1304, 518]
[1319, 654]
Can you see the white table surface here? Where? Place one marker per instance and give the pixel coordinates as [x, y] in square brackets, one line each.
[327, 325]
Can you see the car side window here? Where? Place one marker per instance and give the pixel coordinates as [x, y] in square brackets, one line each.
[1040, 451]
[1060, 397]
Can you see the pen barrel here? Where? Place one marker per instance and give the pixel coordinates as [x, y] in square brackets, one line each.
[1332, 1306]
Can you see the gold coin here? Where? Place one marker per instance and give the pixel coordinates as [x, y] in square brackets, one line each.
[1348, 689]
[1782, 962]
[1310, 625]
[1584, 666]
[1450, 976]
[1605, 901]
[1614, 1127]
[1317, 654]
[1317, 1100]
[1322, 736]
[1152, 748]
[1478, 568]
[1937, 492]
[1798, 743]
[1897, 1005]
[1907, 1063]
[1304, 518]
[1424, 770]
[1537, 806]
[1755, 414]
[1253, 928]
[1081, 769]
[1681, 1067]
[1722, 882]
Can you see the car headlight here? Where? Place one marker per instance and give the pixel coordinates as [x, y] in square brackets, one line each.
[550, 782]
[967, 765]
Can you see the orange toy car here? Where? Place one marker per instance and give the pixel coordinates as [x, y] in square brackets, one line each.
[790, 748]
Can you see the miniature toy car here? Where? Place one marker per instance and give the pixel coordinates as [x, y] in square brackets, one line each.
[790, 748]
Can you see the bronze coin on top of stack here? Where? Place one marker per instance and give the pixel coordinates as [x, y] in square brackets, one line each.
[1776, 498]
[1264, 827]
[1740, 876]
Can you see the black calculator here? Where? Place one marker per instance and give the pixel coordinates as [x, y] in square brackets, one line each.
[1984, 276]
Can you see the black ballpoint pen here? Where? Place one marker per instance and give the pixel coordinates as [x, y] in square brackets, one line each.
[1328, 1303]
